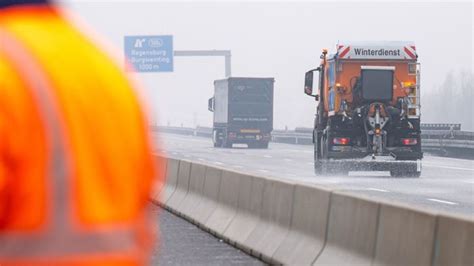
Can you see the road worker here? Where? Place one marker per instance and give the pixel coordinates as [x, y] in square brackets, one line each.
[76, 166]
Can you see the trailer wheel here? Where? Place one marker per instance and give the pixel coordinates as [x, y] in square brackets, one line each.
[227, 144]
[263, 145]
[215, 139]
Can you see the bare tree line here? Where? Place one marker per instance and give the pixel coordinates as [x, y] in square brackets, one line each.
[452, 101]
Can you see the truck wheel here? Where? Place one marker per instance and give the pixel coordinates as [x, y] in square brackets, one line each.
[324, 148]
[318, 164]
[414, 174]
[330, 167]
[405, 174]
[318, 167]
[263, 145]
[397, 173]
[408, 171]
[257, 145]
[227, 144]
[337, 169]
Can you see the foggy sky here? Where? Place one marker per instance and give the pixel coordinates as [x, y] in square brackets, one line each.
[280, 40]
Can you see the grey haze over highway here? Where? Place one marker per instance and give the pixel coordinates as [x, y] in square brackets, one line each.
[446, 184]
[283, 39]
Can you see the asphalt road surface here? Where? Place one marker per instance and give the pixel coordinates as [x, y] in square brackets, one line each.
[446, 184]
[182, 243]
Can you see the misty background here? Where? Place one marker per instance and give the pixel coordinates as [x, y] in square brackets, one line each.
[283, 40]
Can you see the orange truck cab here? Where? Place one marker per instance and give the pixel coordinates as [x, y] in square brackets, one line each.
[368, 108]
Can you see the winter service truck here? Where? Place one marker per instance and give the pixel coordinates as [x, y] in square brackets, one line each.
[368, 109]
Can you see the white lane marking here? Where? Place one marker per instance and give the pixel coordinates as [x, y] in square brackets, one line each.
[288, 160]
[290, 175]
[263, 170]
[377, 189]
[187, 156]
[444, 201]
[174, 153]
[238, 166]
[218, 163]
[468, 181]
[311, 163]
[448, 167]
[201, 159]
[267, 156]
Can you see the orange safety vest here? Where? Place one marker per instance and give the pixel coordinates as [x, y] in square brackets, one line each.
[76, 166]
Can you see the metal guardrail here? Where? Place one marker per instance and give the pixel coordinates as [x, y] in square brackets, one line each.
[424, 127]
[440, 126]
[445, 142]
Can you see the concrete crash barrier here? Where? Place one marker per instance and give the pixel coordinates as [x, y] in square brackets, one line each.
[275, 219]
[454, 241]
[405, 236]
[250, 197]
[299, 224]
[171, 180]
[182, 186]
[227, 203]
[308, 227]
[351, 232]
[161, 181]
[208, 203]
[195, 194]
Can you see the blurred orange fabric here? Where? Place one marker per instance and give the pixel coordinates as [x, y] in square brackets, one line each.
[110, 166]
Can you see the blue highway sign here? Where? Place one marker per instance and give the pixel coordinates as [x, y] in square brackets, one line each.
[150, 53]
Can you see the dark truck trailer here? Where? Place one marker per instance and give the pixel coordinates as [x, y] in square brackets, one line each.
[243, 112]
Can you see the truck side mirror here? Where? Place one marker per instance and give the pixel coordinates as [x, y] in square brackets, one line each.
[210, 104]
[310, 88]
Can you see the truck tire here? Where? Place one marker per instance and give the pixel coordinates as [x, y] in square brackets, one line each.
[318, 164]
[408, 171]
[318, 168]
[263, 145]
[257, 145]
[330, 167]
[226, 143]
[398, 173]
[336, 169]
[414, 174]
